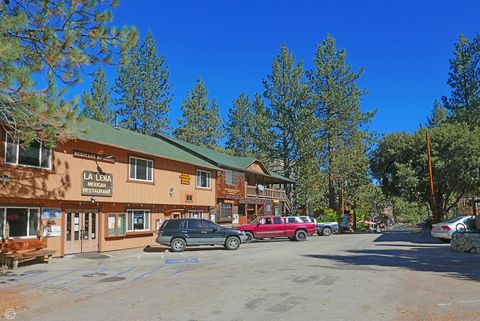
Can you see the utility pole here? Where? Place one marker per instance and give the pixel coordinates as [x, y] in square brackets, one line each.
[430, 174]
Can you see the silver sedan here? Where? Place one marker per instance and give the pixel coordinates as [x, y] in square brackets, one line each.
[444, 230]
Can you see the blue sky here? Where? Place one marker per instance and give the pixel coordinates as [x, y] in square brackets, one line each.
[404, 46]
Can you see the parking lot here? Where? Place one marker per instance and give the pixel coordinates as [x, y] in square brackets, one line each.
[400, 275]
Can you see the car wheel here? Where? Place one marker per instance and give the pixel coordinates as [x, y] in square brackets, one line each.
[178, 245]
[326, 231]
[232, 243]
[300, 235]
[445, 240]
[249, 236]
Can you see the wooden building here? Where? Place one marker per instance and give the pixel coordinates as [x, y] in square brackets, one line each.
[108, 189]
[245, 186]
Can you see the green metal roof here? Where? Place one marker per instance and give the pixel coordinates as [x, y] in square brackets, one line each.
[222, 159]
[97, 132]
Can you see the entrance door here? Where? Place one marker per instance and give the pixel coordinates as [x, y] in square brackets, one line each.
[81, 232]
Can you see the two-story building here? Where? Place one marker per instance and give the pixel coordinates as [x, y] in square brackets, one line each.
[245, 186]
[107, 189]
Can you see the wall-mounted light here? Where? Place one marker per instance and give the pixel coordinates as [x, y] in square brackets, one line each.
[92, 200]
[5, 179]
[171, 191]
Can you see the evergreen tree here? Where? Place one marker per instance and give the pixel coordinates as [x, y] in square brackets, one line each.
[261, 129]
[201, 123]
[340, 126]
[464, 79]
[238, 128]
[144, 91]
[58, 38]
[96, 103]
[287, 96]
[439, 115]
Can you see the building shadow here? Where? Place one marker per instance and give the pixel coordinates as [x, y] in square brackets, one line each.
[420, 253]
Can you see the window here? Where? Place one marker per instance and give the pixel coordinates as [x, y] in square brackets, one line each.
[195, 214]
[116, 224]
[203, 179]
[229, 177]
[34, 155]
[226, 210]
[277, 220]
[138, 220]
[200, 225]
[172, 225]
[266, 220]
[141, 169]
[21, 221]
[291, 220]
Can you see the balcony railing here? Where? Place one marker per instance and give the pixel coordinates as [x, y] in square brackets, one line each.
[270, 193]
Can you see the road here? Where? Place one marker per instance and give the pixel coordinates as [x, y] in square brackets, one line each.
[401, 275]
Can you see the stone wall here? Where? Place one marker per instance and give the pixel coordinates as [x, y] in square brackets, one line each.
[466, 242]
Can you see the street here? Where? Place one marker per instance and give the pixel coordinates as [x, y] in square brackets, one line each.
[398, 275]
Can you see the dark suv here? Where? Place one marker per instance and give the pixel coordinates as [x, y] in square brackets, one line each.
[178, 233]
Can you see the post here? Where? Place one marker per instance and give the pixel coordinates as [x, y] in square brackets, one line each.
[430, 173]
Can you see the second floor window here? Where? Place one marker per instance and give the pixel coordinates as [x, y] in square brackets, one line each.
[141, 169]
[203, 179]
[33, 155]
[228, 177]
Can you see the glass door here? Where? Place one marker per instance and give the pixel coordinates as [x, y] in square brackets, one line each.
[81, 229]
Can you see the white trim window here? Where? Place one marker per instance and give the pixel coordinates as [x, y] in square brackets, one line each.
[138, 220]
[21, 221]
[140, 169]
[204, 179]
[195, 214]
[33, 155]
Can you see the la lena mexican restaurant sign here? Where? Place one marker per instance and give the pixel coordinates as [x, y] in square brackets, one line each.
[97, 184]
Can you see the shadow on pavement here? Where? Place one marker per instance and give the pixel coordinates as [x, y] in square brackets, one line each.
[434, 257]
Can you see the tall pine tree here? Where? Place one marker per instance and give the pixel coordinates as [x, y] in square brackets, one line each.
[287, 97]
[340, 126]
[239, 138]
[143, 90]
[201, 123]
[96, 102]
[39, 39]
[261, 129]
[464, 79]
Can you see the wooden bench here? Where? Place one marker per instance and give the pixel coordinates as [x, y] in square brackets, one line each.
[14, 252]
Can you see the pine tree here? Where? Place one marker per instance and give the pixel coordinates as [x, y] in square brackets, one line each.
[439, 115]
[340, 126]
[143, 90]
[261, 130]
[58, 38]
[464, 79]
[287, 97]
[201, 123]
[238, 132]
[96, 103]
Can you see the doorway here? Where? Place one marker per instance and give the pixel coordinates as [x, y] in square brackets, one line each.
[81, 231]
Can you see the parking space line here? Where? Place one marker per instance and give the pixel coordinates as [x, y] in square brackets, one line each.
[54, 277]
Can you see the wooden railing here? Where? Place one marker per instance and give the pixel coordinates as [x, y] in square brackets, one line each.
[271, 193]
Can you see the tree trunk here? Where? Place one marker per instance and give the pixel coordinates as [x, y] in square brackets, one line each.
[332, 201]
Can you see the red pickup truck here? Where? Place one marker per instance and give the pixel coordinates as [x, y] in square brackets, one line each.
[277, 226]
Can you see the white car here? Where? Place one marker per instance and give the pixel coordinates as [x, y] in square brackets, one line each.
[444, 230]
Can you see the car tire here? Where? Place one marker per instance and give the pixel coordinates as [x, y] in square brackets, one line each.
[326, 231]
[232, 243]
[445, 240]
[300, 235]
[319, 233]
[178, 245]
[250, 237]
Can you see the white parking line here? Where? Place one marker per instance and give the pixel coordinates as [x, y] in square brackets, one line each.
[458, 302]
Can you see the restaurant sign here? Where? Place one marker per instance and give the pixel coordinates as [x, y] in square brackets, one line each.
[93, 156]
[97, 184]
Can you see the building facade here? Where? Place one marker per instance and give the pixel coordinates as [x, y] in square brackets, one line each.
[106, 190]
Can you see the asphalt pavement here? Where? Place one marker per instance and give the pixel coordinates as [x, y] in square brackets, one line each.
[398, 275]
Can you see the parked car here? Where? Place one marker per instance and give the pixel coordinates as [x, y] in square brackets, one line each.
[444, 230]
[179, 233]
[276, 226]
[326, 228]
